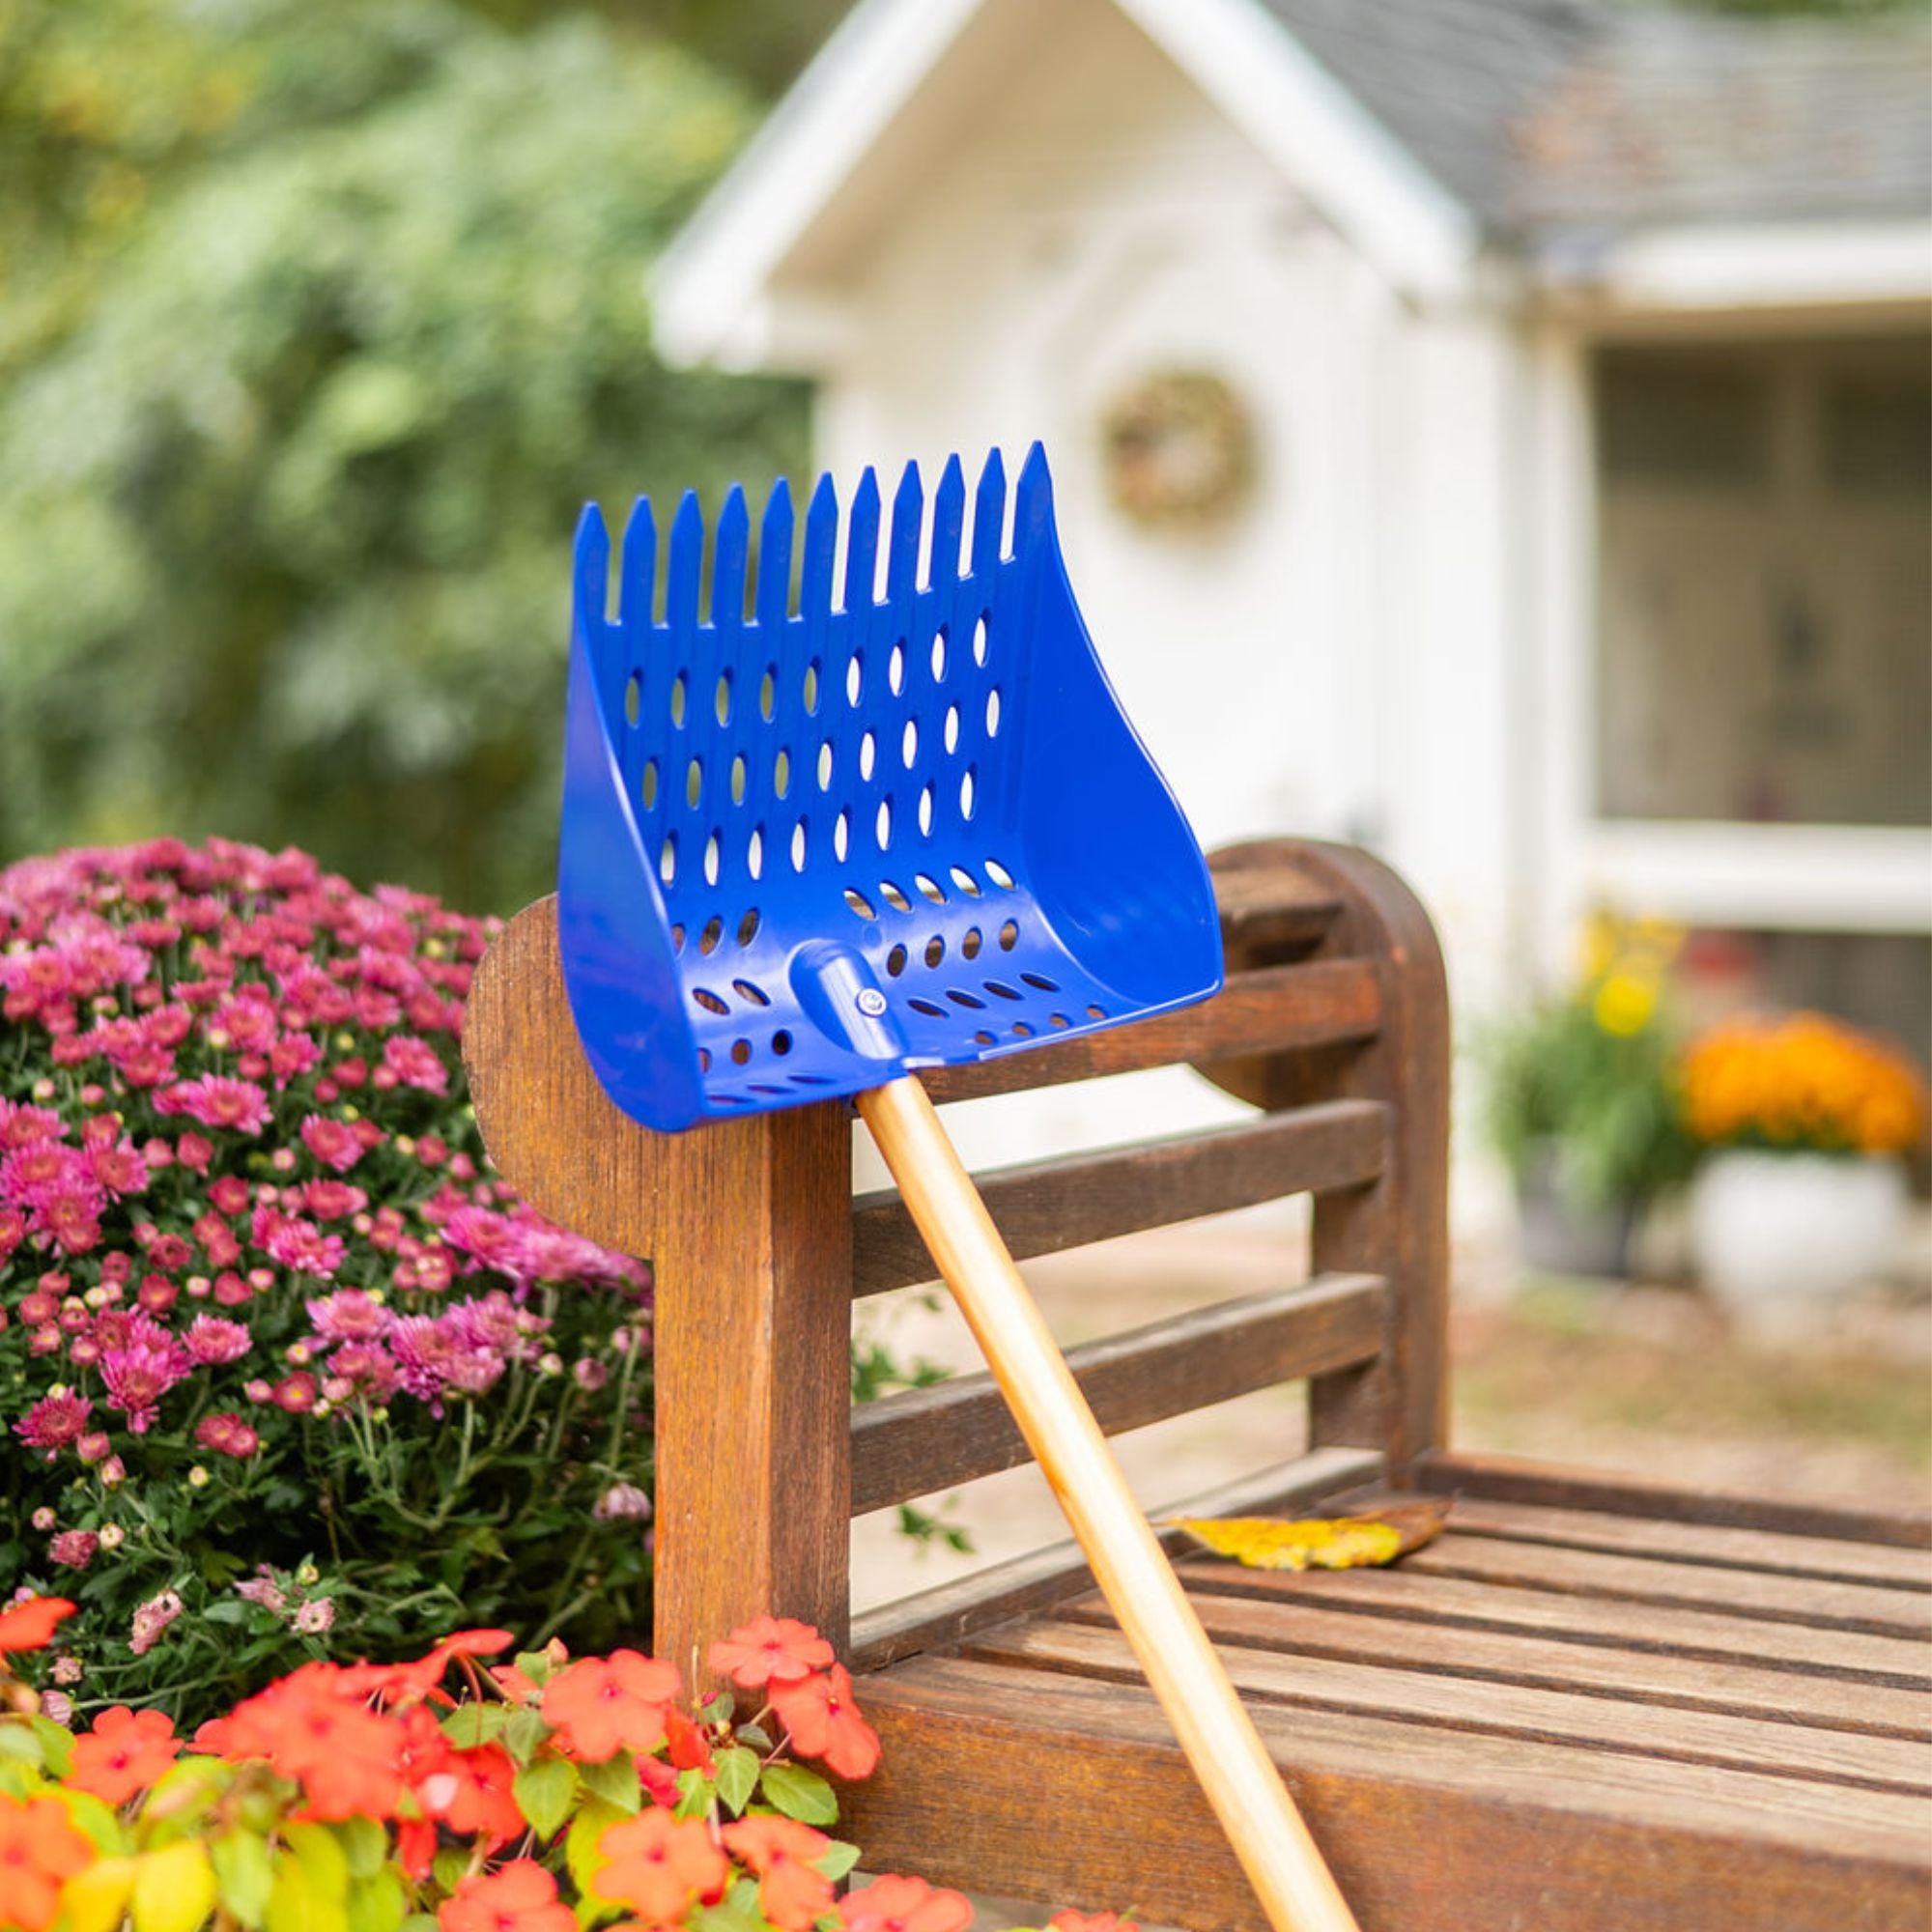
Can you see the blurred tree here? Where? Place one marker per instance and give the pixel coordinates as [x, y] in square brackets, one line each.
[316, 326]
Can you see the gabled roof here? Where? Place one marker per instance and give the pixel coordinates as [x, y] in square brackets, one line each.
[1551, 116]
[1554, 131]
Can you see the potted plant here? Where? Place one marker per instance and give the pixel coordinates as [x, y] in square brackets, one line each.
[1582, 1105]
[1805, 1123]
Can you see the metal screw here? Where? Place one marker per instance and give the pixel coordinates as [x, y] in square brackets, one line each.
[872, 1001]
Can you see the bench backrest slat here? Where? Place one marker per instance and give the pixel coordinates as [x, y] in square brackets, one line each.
[934, 1439]
[1043, 1207]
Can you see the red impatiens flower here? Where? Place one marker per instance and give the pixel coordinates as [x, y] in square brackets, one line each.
[688, 1749]
[891, 1904]
[125, 1752]
[599, 1706]
[39, 1848]
[29, 1625]
[520, 1898]
[313, 1726]
[769, 1650]
[825, 1724]
[660, 1865]
[471, 1794]
[792, 1893]
[1091, 1921]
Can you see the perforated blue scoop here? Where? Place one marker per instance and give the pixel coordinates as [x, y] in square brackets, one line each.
[806, 848]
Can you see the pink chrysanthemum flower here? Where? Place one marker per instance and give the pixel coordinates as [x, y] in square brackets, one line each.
[350, 1315]
[415, 1064]
[216, 1100]
[74, 1548]
[151, 1620]
[213, 1338]
[227, 1435]
[138, 1375]
[297, 1244]
[54, 1420]
[333, 1143]
[21, 1125]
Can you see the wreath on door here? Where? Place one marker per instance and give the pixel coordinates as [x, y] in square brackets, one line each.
[1178, 449]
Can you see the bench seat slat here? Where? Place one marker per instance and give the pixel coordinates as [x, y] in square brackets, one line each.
[1519, 1479]
[1042, 1208]
[1346, 1686]
[1516, 1656]
[1045, 1576]
[1571, 1618]
[933, 1439]
[1430, 1830]
[1822, 1558]
[1274, 1009]
[1639, 1579]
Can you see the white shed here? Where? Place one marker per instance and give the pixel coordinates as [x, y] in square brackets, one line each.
[1497, 431]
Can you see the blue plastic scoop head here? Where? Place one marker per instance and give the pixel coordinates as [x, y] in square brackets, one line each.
[812, 841]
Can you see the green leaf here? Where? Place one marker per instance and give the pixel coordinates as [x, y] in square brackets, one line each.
[615, 1781]
[448, 1867]
[376, 1903]
[472, 1724]
[228, 1610]
[737, 1777]
[837, 1858]
[56, 1743]
[545, 1792]
[524, 1734]
[243, 1875]
[18, 1741]
[580, 1846]
[799, 1794]
[323, 1862]
[694, 1794]
[729, 1916]
[535, 1666]
[174, 1890]
[296, 1904]
[364, 1844]
[181, 1797]
[719, 1708]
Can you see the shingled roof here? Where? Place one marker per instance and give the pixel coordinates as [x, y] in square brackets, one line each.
[1553, 118]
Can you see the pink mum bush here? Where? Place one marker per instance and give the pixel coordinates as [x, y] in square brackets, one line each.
[288, 1372]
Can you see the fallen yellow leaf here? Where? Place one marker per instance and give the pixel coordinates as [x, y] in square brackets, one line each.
[1318, 1543]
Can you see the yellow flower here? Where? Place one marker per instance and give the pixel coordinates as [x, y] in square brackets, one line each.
[1625, 1003]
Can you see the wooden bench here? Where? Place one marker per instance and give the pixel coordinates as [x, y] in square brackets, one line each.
[1591, 1704]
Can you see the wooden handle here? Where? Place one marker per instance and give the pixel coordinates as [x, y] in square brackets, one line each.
[1281, 1860]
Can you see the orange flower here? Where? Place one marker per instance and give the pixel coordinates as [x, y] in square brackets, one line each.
[313, 1728]
[599, 1706]
[661, 1865]
[1089, 1921]
[689, 1751]
[793, 1895]
[29, 1625]
[825, 1724]
[398, 1682]
[769, 1650]
[518, 1898]
[123, 1753]
[479, 1799]
[39, 1848]
[904, 1905]
[1803, 1081]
